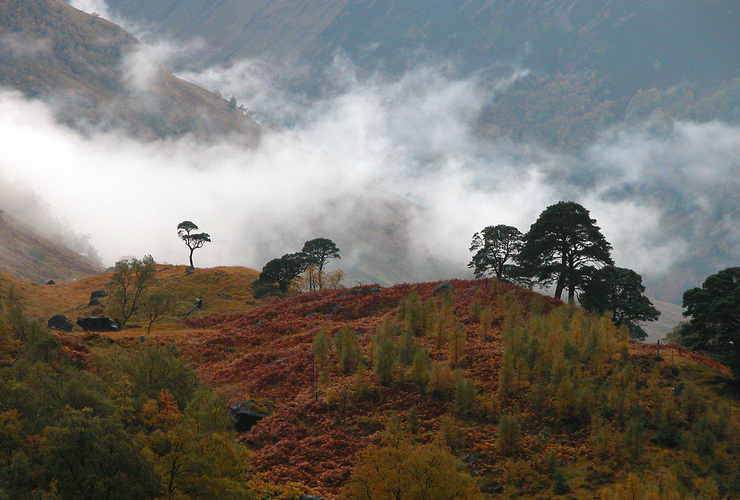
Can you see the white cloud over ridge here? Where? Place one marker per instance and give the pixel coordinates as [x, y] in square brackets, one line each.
[379, 166]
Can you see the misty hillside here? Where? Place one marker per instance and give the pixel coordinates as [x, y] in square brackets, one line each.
[95, 77]
[440, 120]
[629, 44]
[589, 62]
[27, 255]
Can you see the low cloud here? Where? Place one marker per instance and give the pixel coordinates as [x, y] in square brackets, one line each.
[391, 169]
[21, 46]
[144, 66]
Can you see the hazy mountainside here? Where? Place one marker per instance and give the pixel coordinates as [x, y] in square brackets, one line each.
[629, 44]
[670, 316]
[90, 72]
[24, 254]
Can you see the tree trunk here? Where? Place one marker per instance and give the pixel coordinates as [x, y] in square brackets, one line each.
[560, 287]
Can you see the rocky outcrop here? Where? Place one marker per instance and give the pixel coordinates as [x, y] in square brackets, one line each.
[245, 414]
[60, 322]
[98, 324]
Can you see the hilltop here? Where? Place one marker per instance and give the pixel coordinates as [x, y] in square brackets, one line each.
[91, 73]
[222, 290]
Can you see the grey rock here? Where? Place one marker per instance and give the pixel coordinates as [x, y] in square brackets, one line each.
[443, 288]
[60, 322]
[245, 415]
[98, 324]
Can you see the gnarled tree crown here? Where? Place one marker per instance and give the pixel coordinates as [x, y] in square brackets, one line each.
[564, 246]
[185, 230]
[495, 247]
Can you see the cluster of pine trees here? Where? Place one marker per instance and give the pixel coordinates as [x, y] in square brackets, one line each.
[564, 248]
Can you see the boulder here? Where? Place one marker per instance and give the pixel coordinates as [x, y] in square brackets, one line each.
[444, 288]
[98, 294]
[60, 322]
[245, 415]
[51, 282]
[98, 324]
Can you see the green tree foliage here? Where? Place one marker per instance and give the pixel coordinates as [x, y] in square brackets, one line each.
[441, 380]
[321, 347]
[621, 292]
[564, 246]
[385, 359]
[131, 278]
[194, 452]
[403, 470]
[320, 250]
[495, 247]
[416, 315]
[509, 439]
[150, 370]
[186, 231]
[714, 317]
[118, 431]
[465, 398]
[458, 344]
[93, 457]
[420, 368]
[347, 349]
[277, 274]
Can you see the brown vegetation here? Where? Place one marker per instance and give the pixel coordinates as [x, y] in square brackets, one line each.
[537, 398]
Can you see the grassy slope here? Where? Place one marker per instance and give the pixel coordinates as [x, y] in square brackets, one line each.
[222, 289]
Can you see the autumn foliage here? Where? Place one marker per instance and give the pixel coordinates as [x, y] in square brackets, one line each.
[510, 393]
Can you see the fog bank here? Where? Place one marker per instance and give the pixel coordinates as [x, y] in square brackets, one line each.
[391, 169]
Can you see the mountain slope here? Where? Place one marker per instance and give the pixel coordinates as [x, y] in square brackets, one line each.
[94, 76]
[27, 255]
[535, 399]
[630, 44]
[591, 408]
